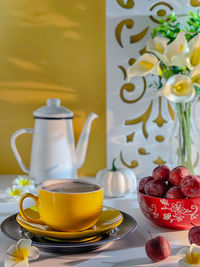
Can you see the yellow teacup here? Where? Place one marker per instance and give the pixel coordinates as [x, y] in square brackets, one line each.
[66, 204]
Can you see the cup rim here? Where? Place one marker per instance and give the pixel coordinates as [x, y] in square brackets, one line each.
[75, 180]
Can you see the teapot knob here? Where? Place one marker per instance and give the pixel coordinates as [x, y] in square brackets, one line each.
[53, 102]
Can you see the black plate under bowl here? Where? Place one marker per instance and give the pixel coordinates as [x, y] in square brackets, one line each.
[13, 230]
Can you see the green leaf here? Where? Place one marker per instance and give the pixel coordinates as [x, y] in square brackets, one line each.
[197, 89]
[168, 27]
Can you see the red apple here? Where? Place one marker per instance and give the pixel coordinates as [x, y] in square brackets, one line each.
[194, 235]
[161, 173]
[156, 188]
[174, 192]
[177, 174]
[190, 186]
[143, 181]
[157, 249]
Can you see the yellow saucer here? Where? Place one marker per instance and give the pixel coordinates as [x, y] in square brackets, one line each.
[109, 219]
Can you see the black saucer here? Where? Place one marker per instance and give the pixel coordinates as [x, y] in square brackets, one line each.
[13, 230]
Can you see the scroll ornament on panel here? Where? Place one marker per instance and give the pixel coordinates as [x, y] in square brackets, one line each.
[130, 87]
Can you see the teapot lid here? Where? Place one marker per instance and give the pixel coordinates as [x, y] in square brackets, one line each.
[53, 110]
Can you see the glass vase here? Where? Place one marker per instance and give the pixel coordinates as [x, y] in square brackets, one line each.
[184, 141]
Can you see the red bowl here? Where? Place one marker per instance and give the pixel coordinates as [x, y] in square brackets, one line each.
[173, 213]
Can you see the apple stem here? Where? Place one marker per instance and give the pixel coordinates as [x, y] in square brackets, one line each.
[150, 234]
[193, 224]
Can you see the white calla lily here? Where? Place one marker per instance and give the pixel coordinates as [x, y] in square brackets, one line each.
[177, 50]
[20, 254]
[195, 75]
[194, 51]
[179, 89]
[181, 61]
[158, 46]
[190, 256]
[146, 64]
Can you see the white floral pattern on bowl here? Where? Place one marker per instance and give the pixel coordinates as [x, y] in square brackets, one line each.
[173, 213]
[149, 210]
[178, 212]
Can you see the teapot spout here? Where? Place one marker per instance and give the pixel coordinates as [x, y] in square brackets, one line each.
[82, 144]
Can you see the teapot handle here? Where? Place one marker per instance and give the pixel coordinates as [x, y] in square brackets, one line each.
[14, 148]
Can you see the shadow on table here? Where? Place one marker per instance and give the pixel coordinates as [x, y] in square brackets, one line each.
[133, 240]
[75, 259]
[72, 259]
[133, 262]
[145, 261]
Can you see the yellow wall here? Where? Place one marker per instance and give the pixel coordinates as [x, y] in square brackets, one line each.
[48, 49]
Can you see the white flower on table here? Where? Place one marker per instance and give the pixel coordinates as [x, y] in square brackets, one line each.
[21, 185]
[190, 256]
[19, 255]
[24, 181]
[14, 192]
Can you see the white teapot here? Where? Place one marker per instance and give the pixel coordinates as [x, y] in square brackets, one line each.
[53, 153]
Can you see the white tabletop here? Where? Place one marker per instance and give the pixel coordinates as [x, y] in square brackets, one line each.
[128, 251]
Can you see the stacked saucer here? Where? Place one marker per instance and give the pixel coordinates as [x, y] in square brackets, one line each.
[111, 225]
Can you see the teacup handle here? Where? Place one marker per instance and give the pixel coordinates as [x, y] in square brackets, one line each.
[21, 210]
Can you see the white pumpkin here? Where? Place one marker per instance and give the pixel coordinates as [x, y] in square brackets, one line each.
[116, 182]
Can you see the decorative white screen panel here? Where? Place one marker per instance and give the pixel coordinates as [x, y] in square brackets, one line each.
[139, 122]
